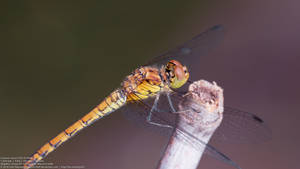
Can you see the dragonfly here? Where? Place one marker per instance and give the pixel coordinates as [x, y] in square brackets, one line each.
[163, 75]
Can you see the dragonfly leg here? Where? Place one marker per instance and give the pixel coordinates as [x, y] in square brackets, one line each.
[149, 117]
[171, 103]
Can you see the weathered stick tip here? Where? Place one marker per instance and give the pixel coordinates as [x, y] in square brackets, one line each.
[200, 113]
[202, 106]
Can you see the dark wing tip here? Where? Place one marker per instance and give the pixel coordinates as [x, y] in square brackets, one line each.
[217, 28]
[258, 119]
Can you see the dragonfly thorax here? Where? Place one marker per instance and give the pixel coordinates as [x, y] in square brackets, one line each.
[148, 81]
[176, 74]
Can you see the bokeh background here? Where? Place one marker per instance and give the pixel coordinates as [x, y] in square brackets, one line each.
[60, 58]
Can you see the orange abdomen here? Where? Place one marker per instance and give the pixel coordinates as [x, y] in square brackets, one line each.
[114, 101]
[141, 84]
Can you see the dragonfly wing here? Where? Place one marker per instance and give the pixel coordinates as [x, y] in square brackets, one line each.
[241, 127]
[200, 45]
[209, 149]
[138, 112]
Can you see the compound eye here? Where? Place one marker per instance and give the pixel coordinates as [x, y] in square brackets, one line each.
[179, 72]
[174, 62]
[184, 69]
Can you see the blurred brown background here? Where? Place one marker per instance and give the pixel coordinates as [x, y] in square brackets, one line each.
[59, 59]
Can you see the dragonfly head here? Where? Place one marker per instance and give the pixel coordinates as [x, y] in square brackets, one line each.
[177, 74]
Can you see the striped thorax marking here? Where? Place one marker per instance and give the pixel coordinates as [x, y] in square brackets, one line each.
[143, 83]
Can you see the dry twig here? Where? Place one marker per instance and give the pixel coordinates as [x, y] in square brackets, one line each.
[200, 113]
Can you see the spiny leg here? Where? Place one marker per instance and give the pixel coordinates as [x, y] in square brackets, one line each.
[170, 103]
[154, 107]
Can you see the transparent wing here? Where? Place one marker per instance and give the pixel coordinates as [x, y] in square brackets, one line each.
[210, 150]
[138, 112]
[237, 126]
[198, 46]
[241, 127]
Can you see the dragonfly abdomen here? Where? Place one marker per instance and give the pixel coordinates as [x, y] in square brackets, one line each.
[111, 103]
